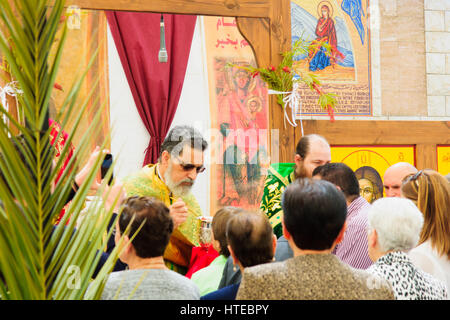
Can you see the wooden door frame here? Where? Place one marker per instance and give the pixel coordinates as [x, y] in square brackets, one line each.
[266, 25]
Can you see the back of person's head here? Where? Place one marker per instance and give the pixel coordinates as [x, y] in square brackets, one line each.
[153, 238]
[180, 136]
[314, 213]
[398, 223]
[250, 236]
[304, 144]
[430, 191]
[340, 175]
[219, 227]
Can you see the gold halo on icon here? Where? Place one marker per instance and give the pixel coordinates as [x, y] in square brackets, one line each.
[319, 8]
[257, 100]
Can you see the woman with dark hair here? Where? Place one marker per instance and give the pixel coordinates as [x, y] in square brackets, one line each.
[147, 277]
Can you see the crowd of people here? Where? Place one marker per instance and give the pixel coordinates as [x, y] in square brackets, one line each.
[314, 237]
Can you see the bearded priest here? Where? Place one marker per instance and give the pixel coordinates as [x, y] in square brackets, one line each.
[170, 180]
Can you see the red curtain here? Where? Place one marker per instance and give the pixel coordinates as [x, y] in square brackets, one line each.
[156, 87]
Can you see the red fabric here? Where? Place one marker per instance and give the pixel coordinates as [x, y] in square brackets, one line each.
[201, 257]
[59, 146]
[156, 87]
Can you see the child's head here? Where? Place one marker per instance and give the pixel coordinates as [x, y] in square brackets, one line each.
[219, 228]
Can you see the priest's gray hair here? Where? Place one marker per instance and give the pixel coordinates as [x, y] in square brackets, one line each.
[181, 135]
[398, 223]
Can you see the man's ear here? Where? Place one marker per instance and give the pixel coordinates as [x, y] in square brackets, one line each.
[298, 159]
[165, 156]
[127, 245]
[286, 233]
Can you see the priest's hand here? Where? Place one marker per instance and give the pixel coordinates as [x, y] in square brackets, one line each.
[179, 212]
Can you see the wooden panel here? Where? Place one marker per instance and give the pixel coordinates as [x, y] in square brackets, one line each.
[426, 156]
[256, 32]
[425, 135]
[380, 132]
[232, 8]
[280, 30]
[269, 38]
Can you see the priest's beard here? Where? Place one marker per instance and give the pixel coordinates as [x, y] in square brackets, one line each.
[175, 187]
[300, 171]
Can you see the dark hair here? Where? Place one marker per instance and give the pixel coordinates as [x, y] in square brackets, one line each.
[314, 212]
[219, 227]
[181, 135]
[304, 143]
[340, 175]
[153, 238]
[250, 235]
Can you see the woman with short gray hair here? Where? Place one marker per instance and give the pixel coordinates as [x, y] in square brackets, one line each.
[394, 229]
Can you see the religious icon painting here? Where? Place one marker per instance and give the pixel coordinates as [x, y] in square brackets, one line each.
[343, 69]
[370, 164]
[239, 118]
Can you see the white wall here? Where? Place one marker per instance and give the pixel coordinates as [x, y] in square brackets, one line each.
[129, 136]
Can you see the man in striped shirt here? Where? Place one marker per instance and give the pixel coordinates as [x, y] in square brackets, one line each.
[353, 248]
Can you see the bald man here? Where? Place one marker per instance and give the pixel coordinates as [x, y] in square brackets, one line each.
[392, 180]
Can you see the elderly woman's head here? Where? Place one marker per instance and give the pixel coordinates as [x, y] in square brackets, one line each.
[394, 225]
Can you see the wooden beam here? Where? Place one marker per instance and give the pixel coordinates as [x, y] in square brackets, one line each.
[424, 135]
[380, 132]
[269, 38]
[280, 35]
[230, 8]
[257, 33]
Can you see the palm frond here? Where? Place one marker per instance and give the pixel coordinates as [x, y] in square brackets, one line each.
[39, 260]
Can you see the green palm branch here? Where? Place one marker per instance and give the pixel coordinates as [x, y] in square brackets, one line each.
[39, 260]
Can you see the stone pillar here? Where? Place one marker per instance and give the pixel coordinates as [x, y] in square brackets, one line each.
[437, 39]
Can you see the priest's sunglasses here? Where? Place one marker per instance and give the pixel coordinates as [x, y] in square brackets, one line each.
[188, 166]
